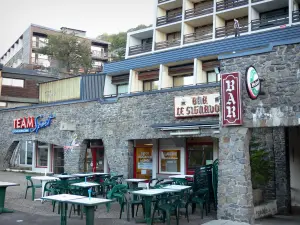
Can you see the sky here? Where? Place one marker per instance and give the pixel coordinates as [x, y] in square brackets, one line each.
[94, 16]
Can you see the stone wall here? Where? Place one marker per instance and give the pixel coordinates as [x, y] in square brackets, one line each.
[116, 124]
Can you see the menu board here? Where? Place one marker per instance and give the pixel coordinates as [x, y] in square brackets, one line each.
[143, 163]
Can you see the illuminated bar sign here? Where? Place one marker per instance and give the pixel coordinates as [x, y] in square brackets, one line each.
[200, 105]
[31, 124]
[231, 99]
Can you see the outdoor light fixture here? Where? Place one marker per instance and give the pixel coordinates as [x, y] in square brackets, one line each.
[191, 132]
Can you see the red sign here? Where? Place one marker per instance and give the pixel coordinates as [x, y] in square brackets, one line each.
[24, 123]
[231, 99]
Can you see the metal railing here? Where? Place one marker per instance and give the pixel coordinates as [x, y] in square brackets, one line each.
[168, 19]
[190, 13]
[137, 49]
[38, 44]
[99, 54]
[196, 37]
[229, 30]
[254, 1]
[229, 4]
[161, 1]
[296, 16]
[41, 62]
[269, 22]
[167, 44]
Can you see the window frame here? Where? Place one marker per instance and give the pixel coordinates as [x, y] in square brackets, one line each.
[184, 85]
[217, 77]
[151, 82]
[37, 154]
[12, 79]
[117, 92]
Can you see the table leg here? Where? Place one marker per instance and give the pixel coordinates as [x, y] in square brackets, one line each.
[63, 213]
[148, 206]
[2, 201]
[89, 219]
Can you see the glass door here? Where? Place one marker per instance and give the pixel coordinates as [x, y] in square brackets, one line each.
[58, 160]
[94, 160]
[143, 163]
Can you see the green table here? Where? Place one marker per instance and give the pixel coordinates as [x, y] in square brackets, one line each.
[3, 186]
[148, 196]
[63, 201]
[89, 204]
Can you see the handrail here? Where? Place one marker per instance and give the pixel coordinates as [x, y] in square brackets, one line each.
[137, 49]
[190, 13]
[167, 44]
[229, 30]
[197, 36]
[168, 19]
[273, 21]
[229, 4]
[296, 16]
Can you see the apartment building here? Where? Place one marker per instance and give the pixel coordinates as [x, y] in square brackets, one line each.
[24, 51]
[181, 23]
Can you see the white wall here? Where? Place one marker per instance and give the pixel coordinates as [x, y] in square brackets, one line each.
[295, 165]
[109, 88]
[165, 80]
[135, 84]
[254, 14]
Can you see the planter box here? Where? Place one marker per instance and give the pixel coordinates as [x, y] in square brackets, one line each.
[267, 209]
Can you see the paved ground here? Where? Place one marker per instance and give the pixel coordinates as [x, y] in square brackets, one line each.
[34, 212]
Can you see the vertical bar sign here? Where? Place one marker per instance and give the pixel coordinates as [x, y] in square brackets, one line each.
[231, 99]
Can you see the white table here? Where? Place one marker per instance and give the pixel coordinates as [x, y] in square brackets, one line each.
[89, 204]
[182, 176]
[3, 186]
[63, 201]
[177, 187]
[82, 175]
[85, 184]
[98, 174]
[44, 180]
[64, 177]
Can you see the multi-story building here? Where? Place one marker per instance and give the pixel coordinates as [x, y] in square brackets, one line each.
[24, 52]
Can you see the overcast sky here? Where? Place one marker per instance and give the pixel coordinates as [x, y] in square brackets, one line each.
[93, 16]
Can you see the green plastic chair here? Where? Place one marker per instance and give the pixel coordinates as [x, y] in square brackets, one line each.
[116, 193]
[31, 185]
[215, 181]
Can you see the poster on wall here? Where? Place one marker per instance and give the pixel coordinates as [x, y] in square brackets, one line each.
[143, 163]
[231, 99]
[170, 160]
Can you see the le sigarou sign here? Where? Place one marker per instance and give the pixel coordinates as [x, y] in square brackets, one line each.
[31, 124]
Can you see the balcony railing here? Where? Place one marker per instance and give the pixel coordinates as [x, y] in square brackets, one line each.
[227, 31]
[38, 44]
[269, 22]
[137, 49]
[229, 4]
[161, 1]
[99, 54]
[190, 13]
[168, 19]
[254, 1]
[196, 37]
[296, 16]
[167, 44]
[41, 62]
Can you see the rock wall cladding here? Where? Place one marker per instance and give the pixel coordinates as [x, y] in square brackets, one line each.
[128, 119]
[281, 70]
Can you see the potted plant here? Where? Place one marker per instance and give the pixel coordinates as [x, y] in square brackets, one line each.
[261, 171]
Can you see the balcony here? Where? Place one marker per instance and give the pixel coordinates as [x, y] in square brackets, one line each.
[254, 1]
[168, 19]
[296, 16]
[197, 37]
[167, 44]
[190, 13]
[99, 55]
[40, 62]
[227, 31]
[269, 22]
[38, 44]
[230, 4]
[138, 49]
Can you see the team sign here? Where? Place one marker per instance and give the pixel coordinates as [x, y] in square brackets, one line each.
[200, 105]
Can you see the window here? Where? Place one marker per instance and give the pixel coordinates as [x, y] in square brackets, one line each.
[150, 85]
[173, 36]
[169, 161]
[183, 80]
[13, 82]
[199, 155]
[42, 154]
[3, 104]
[26, 153]
[122, 89]
[212, 77]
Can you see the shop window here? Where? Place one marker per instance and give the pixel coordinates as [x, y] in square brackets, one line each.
[180, 81]
[212, 77]
[42, 154]
[199, 154]
[26, 153]
[122, 89]
[170, 161]
[13, 82]
[143, 163]
[150, 85]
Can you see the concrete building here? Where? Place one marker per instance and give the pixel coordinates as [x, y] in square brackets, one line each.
[160, 113]
[23, 53]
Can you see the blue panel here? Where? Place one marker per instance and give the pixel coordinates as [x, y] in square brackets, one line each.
[92, 86]
[214, 48]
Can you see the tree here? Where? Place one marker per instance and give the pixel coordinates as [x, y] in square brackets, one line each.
[70, 52]
[117, 46]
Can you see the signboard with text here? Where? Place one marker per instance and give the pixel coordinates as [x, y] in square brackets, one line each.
[199, 105]
[231, 99]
